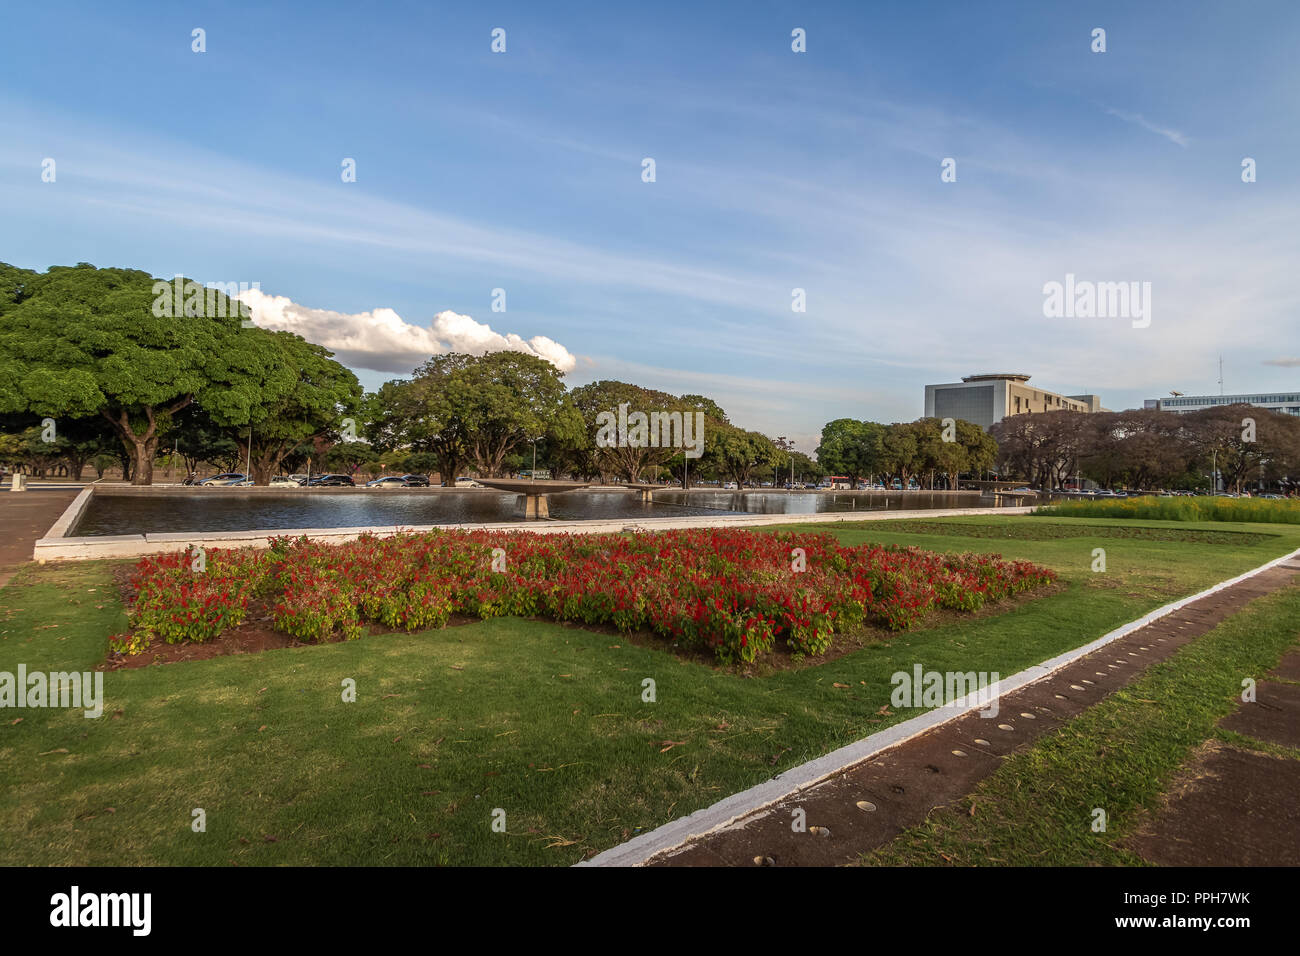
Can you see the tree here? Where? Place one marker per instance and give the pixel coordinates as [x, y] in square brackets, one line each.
[312, 397]
[980, 448]
[735, 453]
[852, 448]
[900, 450]
[503, 400]
[195, 438]
[414, 415]
[79, 341]
[622, 457]
[1243, 440]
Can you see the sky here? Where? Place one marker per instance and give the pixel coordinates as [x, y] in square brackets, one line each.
[774, 170]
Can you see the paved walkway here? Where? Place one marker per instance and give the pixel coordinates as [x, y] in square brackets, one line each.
[24, 517]
[869, 804]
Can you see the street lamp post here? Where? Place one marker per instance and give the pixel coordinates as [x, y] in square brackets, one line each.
[533, 476]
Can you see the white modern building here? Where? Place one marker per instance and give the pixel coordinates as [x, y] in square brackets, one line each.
[1288, 403]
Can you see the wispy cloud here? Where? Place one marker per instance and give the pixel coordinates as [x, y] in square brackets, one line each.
[1137, 119]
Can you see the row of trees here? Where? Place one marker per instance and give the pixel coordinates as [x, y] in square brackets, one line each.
[926, 448]
[1153, 449]
[488, 412]
[91, 371]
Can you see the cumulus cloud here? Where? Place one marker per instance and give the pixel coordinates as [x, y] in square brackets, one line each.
[381, 340]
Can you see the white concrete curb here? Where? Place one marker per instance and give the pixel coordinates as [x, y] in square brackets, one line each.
[55, 547]
[708, 820]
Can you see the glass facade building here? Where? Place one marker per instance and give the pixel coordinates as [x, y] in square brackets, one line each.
[1288, 403]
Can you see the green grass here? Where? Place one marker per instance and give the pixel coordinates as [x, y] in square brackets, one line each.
[1260, 510]
[543, 721]
[1120, 755]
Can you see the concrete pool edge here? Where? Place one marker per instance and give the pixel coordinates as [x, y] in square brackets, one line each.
[71, 514]
[60, 547]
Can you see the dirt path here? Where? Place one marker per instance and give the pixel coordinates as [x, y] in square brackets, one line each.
[1188, 829]
[25, 516]
[871, 803]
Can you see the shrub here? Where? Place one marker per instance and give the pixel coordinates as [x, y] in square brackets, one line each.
[731, 592]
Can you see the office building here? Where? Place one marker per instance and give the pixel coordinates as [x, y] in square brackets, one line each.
[1288, 403]
[987, 399]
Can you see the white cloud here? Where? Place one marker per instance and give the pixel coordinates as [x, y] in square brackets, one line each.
[383, 341]
[1173, 135]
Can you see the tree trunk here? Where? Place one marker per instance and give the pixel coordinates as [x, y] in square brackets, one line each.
[141, 448]
[142, 452]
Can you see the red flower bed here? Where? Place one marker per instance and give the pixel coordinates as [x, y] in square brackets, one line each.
[732, 591]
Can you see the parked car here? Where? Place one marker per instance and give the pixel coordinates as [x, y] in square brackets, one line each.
[417, 481]
[285, 480]
[226, 478]
[463, 482]
[330, 481]
[389, 481]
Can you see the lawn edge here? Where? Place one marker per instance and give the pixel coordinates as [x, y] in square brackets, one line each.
[707, 820]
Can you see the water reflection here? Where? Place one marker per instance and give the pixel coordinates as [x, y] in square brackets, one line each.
[203, 511]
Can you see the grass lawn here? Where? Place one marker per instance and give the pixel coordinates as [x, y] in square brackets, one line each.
[1120, 755]
[543, 721]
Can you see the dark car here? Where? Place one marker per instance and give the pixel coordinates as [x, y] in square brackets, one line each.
[417, 481]
[331, 481]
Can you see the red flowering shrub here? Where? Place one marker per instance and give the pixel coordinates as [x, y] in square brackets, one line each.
[731, 591]
[176, 604]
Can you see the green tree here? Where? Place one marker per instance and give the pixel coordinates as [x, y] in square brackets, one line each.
[82, 341]
[504, 400]
[415, 416]
[852, 448]
[900, 448]
[622, 458]
[309, 396]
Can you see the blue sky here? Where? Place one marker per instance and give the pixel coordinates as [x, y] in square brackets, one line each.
[774, 171]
